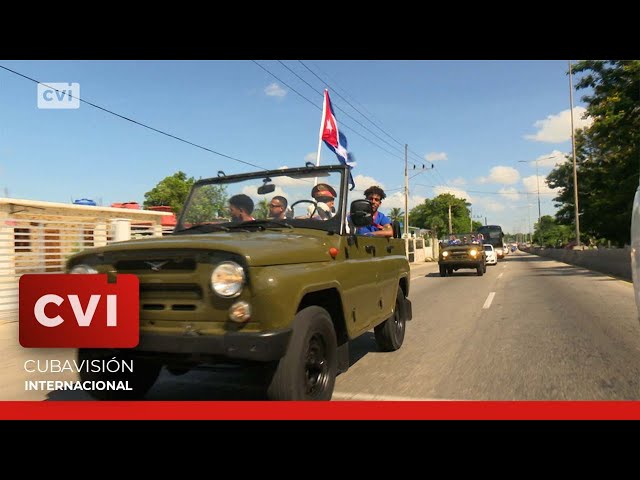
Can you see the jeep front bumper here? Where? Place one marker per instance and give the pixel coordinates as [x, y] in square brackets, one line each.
[262, 347]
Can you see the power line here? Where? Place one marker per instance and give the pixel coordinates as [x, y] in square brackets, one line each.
[320, 108]
[137, 122]
[422, 160]
[343, 111]
[488, 193]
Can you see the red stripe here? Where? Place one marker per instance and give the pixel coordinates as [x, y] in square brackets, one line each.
[337, 410]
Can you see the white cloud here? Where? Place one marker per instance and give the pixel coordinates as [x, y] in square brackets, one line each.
[396, 200]
[458, 181]
[311, 157]
[557, 128]
[533, 182]
[492, 206]
[456, 192]
[275, 90]
[552, 159]
[362, 183]
[504, 175]
[509, 194]
[435, 156]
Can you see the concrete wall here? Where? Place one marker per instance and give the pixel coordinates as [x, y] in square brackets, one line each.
[614, 261]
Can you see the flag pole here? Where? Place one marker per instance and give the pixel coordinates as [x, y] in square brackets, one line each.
[324, 114]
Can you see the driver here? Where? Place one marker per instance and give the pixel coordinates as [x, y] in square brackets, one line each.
[325, 197]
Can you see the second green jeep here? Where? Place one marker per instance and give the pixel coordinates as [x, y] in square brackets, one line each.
[285, 289]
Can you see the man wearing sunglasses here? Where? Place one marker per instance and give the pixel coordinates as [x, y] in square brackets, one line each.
[381, 226]
[278, 208]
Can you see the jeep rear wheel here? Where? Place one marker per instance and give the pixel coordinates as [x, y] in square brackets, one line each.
[137, 383]
[390, 333]
[309, 368]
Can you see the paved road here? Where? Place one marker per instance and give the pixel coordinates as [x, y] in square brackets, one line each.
[530, 329]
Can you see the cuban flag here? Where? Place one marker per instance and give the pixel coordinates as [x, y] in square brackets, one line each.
[334, 138]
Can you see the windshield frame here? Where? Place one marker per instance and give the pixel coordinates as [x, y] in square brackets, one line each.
[337, 224]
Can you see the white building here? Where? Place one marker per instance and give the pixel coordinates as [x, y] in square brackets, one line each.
[38, 237]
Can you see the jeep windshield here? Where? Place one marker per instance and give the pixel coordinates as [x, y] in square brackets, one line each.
[461, 239]
[308, 197]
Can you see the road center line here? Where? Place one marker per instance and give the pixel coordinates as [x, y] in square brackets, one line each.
[489, 299]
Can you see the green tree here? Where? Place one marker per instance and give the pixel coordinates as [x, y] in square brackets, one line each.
[261, 210]
[549, 233]
[171, 190]
[607, 152]
[207, 204]
[396, 214]
[433, 214]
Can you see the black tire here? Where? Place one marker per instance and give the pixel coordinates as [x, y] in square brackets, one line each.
[309, 368]
[484, 267]
[450, 271]
[480, 270]
[390, 333]
[443, 272]
[140, 381]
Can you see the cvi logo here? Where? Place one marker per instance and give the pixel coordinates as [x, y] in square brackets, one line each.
[58, 95]
[78, 311]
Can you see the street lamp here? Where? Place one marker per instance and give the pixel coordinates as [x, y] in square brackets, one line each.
[537, 185]
[575, 170]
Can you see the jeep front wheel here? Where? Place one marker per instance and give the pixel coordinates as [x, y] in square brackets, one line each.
[308, 370]
[116, 385]
[390, 333]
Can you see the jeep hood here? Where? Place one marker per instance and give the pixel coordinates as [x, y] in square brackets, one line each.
[258, 248]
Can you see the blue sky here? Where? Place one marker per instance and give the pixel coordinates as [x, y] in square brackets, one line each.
[482, 124]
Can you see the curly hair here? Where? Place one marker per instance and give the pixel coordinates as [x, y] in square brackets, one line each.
[375, 190]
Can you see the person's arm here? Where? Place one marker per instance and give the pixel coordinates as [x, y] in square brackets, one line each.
[386, 231]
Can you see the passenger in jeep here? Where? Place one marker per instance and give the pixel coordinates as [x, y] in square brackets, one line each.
[241, 208]
[381, 226]
[325, 197]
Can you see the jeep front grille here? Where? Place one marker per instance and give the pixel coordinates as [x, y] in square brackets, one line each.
[156, 265]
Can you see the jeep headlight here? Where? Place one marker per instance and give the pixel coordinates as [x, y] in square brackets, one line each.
[227, 279]
[445, 254]
[82, 268]
[473, 252]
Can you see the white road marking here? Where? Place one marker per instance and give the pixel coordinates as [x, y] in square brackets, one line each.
[384, 398]
[500, 275]
[489, 299]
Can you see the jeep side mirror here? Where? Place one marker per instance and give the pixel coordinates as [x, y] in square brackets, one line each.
[361, 213]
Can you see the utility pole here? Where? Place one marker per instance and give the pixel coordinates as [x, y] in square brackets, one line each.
[575, 169]
[406, 192]
[450, 228]
[538, 185]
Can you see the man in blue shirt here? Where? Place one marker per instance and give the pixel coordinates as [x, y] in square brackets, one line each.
[381, 226]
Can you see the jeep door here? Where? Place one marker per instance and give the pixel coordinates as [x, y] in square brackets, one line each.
[361, 284]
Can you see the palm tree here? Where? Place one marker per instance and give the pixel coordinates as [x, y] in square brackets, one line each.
[261, 211]
[396, 214]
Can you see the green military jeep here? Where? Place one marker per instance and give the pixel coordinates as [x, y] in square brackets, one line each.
[281, 289]
[462, 251]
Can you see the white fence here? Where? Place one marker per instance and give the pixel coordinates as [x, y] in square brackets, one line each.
[43, 246]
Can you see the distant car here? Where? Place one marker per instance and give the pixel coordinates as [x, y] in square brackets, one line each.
[490, 252]
[635, 247]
